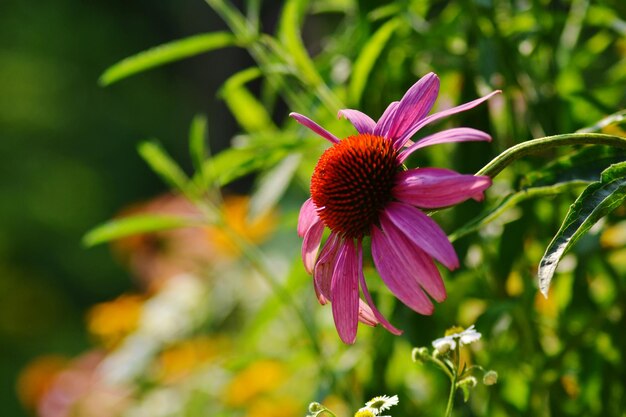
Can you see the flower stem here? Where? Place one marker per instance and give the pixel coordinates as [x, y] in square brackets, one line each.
[501, 161]
[453, 379]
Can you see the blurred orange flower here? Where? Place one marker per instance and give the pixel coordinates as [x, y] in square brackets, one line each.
[110, 322]
[154, 257]
[37, 378]
[179, 360]
[259, 378]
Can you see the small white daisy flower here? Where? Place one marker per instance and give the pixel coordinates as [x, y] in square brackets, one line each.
[382, 402]
[448, 342]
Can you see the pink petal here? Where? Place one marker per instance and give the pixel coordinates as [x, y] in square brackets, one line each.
[385, 121]
[433, 117]
[307, 217]
[459, 134]
[311, 245]
[421, 266]
[366, 315]
[305, 121]
[377, 315]
[397, 277]
[423, 231]
[437, 187]
[323, 272]
[345, 292]
[415, 105]
[361, 121]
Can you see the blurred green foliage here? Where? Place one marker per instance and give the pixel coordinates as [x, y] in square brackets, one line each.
[561, 66]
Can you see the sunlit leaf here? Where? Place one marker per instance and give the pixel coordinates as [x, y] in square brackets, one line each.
[128, 226]
[247, 110]
[595, 202]
[197, 141]
[163, 165]
[367, 58]
[165, 54]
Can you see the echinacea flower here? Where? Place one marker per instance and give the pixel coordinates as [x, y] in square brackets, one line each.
[361, 189]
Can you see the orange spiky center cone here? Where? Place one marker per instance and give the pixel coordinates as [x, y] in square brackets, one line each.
[352, 183]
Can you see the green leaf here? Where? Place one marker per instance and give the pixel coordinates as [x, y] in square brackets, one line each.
[128, 226]
[508, 202]
[289, 34]
[163, 165]
[272, 185]
[496, 165]
[234, 163]
[165, 54]
[198, 135]
[247, 110]
[595, 202]
[585, 165]
[367, 59]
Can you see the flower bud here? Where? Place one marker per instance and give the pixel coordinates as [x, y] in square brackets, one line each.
[316, 407]
[490, 378]
[420, 354]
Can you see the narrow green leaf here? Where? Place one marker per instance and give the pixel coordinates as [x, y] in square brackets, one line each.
[507, 203]
[198, 136]
[367, 58]
[247, 110]
[289, 34]
[272, 185]
[496, 165]
[613, 119]
[163, 165]
[234, 163]
[165, 54]
[128, 226]
[595, 202]
[586, 164]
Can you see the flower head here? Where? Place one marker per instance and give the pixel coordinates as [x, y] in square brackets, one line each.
[360, 190]
[464, 337]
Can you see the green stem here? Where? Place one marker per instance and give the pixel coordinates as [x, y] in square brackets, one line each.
[453, 380]
[500, 162]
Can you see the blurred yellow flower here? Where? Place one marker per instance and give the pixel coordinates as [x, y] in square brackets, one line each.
[110, 322]
[181, 359]
[274, 407]
[37, 377]
[235, 211]
[258, 378]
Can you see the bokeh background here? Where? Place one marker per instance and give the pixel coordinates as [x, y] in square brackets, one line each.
[70, 162]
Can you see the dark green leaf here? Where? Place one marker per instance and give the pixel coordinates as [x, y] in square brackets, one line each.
[595, 202]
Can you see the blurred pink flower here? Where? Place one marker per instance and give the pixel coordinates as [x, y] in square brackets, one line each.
[360, 188]
[79, 391]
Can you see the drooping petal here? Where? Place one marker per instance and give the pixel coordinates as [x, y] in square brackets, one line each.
[324, 267]
[366, 315]
[459, 134]
[421, 266]
[384, 123]
[311, 244]
[423, 231]
[414, 105]
[396, 276]
[345, 292]
[305, 121]
[439, 115]
[361, 121]
[307, 217]
[370, 302]
[437, 187]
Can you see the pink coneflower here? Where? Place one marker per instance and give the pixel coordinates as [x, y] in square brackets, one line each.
[360, 188]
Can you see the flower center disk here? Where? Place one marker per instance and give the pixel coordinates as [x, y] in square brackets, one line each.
[352, 183]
